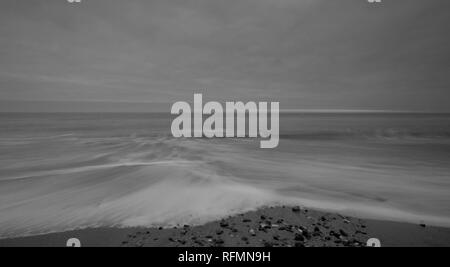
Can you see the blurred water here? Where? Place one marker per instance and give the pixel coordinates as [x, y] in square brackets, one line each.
[66, 171]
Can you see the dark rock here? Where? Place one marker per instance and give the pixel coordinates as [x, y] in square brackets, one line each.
[296, 209]
[304, 229]
[223, 224]
[219, 232]
[353, 243]
[307, 235]
[289, 228]
[264, 227]
[246, 220]
[360, 232]
[334, 234]
[305, 232]
[218, 242]
[268, 244]
[299, 237]
[342, 232]
[423, 225]
[299, 244]
[346, 243]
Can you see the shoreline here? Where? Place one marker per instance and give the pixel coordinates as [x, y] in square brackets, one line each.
[266, 227]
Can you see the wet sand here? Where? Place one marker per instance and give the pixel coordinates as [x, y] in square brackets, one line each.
[267, 227]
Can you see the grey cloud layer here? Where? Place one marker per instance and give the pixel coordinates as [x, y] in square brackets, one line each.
[305, 53]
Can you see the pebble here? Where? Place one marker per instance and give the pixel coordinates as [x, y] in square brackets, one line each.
[268, 244]
[252, 232]
[342, 232]
[219, 232]
[299, 237]
[296, 209]
[334, 234]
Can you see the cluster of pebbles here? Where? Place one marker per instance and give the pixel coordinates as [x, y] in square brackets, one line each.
[268, 227]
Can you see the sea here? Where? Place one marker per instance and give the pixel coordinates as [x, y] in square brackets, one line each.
[65, 171]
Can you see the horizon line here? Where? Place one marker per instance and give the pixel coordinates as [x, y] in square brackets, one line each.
[123, 107]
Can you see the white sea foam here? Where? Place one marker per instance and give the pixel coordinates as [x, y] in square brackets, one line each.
[102, 179]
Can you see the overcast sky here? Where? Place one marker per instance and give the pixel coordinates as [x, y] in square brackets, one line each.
[307, 54]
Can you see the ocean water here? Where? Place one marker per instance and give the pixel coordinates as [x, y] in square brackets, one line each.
[66, 171]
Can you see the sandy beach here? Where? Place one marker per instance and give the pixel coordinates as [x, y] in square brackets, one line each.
[266, 227]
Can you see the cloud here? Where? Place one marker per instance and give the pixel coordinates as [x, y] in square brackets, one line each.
[307, 54]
